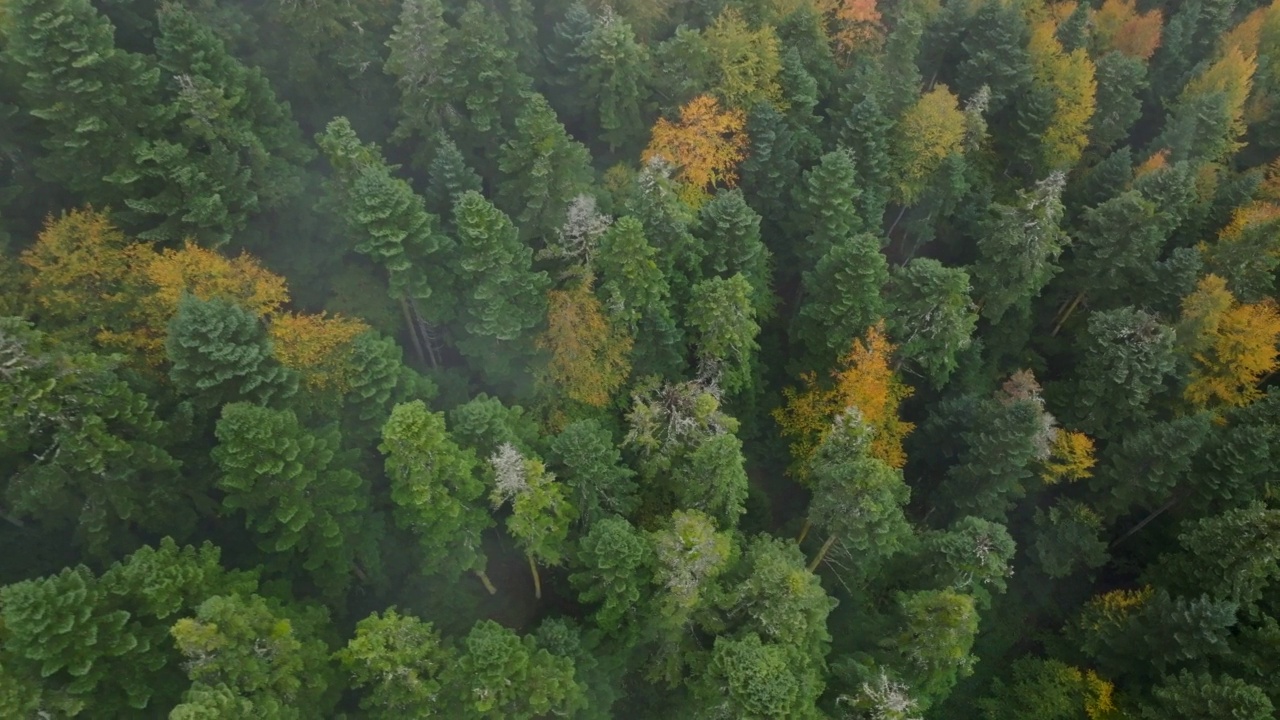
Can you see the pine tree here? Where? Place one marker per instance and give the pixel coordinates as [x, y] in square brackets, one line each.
[297, 497]
[436, 491]
[842, 297]
[731, 231]
[418, 47]
[1018, 247]
[591, 466]
[502, 675]
[504, 298]
[723, 330]
[94, 103]
[829, 205]
[400, 659]
[540, 512]
[448, 177]
[930, 315]
[616, 560]
[543, 170]
[220, 354]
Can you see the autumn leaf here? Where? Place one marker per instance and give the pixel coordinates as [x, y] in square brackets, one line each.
[1118, 25]
[318, 347]
[1232, 345]
[864, 379]
[589, 357]
[928, 133]
[705, 146]
[1070, 458]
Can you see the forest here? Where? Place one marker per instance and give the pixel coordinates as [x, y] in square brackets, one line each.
[641, 359]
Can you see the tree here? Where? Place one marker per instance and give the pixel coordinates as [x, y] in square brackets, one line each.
[931, 317]
[93, 102]
[780, 600]
[540, 512]
[502, 675]
[731, 231]
[1118, 26]
[863, 380]
[220, 354]
[504, 296]
[842, 297]
[62, 634]
[234, 149]
[927, 134]
[1231, 344]
[1231, 555]
[1068, 536]
[971, 556]
[937, 631]
[400, 660]
[706, 146]
[1050, 689]
[858, 24]
[296, 499]
[590, 464]
[481, 77]
[746, 62]
[617, 562]
[1204, 697]
[637, 294]
[83, 450]
[589, 355]
[614, 72]
[250, 649]
[317, 347]
[1231, 76]
[749, 679]
[829, 206]
[1069, 77]
[1000, 437]
[857, 498]
[1121, 80]
[543, 170]
[448, 177]
[723, 327]
[418, 48]
[1018, 247]
[1128, 354]
[435, 489]
[390, 222]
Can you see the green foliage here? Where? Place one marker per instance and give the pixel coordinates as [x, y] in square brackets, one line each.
[1018, 247]
[1127, 355]
[1204, 697]
[972, 555]
[435, 489]
[931, 317]
[591, 466]
[502, 675]
[501, 293]
[244, 652]
[1067, 537]
[932, 648]
[828, 204]
[723, 329]
[399, 659]
[842, 297]
[752, 680]
[731, 231]
[543, 169]
[291, 484]
[220, 354]
[616, 560]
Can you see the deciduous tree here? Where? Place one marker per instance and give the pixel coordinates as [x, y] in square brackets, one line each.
[706, 146]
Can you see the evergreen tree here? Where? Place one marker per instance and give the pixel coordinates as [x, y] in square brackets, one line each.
[94, 103]
[543, 170]
[723, 331]
[1018, 247]
[435, 489]
[731, 231]
[616, 560]
[504, 296]
[930, 315]
[829, 205]
[591, 465]
[502, 675]
[448, 177]
[842, 297]
[297, 497]
[220, 354]
[400, 660]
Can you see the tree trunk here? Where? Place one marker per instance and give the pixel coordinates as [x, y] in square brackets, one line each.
[537, 579]
[822, 553]
[1154, 514]
[427, 337]
[1067, 314]
[487, 584]
[804, 531]
[412, 327]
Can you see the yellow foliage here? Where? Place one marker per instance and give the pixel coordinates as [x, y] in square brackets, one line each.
[85, 274]
[1246, 36]
[864, 379]
[1099, 696]
[1117, 604]
[1232, 345]
[1070, 458]
[929, 132]
[1070, 77]
[318, 347]
[589, 356]
[1232, 75]
[748, 61]
[1157, 161]
[205, 274]
[1117, 25]
[705, 146]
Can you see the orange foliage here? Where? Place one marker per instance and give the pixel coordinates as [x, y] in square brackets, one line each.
[205, 274]
[864, 380]
[589, 357]
[1070, 458]
[1231, 344]
[1158, 161]
[706, 146]
[318, 347]
[1118, 26]
[86, 275]
[1247, 36]
[857, 23]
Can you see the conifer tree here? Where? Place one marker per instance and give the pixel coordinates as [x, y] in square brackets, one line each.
[731, 231]
[543, 170]
[436, 491]
[616, 560]
[591, 466]
[400, 659]
[723, 331]
[1018, 247]
[500, 674]
[931, 316]
[842, 297]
